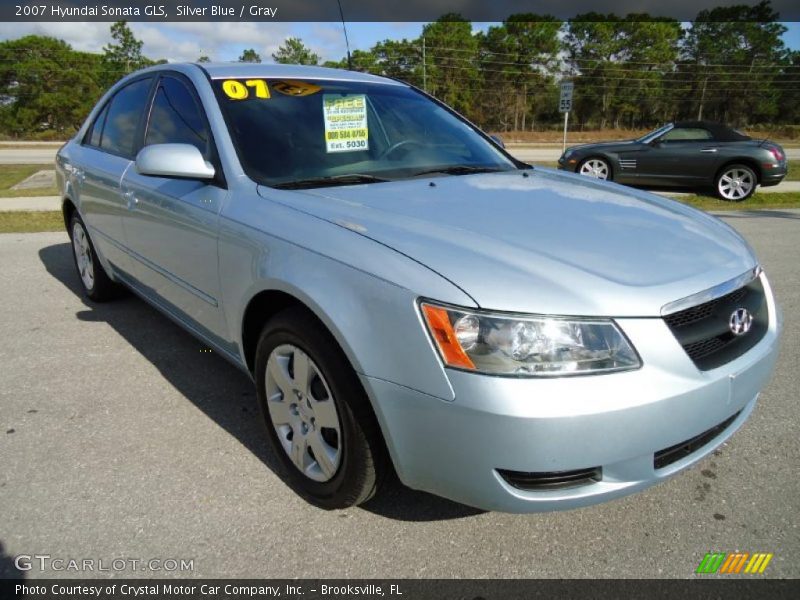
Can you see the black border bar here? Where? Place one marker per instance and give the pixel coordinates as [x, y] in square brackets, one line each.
[376, 11]
[741, 587]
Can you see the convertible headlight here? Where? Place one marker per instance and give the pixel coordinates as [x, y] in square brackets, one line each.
[527, 346]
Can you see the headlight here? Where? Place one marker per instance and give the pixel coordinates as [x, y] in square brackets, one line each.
[499, 344]
[568, 153]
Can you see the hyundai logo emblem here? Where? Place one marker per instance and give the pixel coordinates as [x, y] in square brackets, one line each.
[740, 322]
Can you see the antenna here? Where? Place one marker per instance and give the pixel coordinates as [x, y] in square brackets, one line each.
[346, 41]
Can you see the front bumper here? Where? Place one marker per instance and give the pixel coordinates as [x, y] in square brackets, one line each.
[616, 422]
[567, 164]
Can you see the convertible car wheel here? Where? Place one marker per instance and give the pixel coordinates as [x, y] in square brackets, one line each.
[595, 167]
[736, 183]
[318, 417]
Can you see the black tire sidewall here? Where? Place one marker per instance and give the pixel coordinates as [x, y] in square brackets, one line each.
[301, 330]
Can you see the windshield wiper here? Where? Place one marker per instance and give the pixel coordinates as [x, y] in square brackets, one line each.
[348, 179]
[458, 170]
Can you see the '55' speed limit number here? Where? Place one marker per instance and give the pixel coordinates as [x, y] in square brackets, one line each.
[565, 101]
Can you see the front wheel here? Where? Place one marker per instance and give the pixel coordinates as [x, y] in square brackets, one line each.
[736, 183]
[595, 167]
[319, 420]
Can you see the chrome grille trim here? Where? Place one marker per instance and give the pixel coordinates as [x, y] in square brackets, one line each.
[713, 293]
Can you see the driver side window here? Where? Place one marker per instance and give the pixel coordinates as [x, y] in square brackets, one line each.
[176, 118]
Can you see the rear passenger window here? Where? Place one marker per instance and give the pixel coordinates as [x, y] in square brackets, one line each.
[687, 134]
[176, 118]
[124, 116]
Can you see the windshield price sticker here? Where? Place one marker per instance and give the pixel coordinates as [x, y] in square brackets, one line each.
[238, 90]
[345, 122]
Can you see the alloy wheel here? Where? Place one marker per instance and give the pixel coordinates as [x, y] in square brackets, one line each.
[83, 255]
[736, 184]
[303, 413]
[594, 167]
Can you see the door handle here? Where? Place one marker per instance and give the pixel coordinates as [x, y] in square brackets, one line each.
[708, 150]
[130, 199]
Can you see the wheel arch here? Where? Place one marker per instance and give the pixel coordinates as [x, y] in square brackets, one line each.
[748, 162]
[264, 305]
[268, 302]
[68, 209]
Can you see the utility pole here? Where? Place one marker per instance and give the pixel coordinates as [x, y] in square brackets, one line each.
[702, 99]
[424, 67]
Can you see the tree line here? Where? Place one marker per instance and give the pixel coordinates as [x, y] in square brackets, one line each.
[730, 64]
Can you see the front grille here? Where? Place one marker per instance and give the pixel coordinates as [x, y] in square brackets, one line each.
[704, 330]
[703, 311]
[551, 480]
[667, 456]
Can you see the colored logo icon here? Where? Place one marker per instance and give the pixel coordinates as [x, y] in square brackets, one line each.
[734, 563]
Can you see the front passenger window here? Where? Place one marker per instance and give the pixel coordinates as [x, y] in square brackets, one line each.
[124, 116]
[176, 118]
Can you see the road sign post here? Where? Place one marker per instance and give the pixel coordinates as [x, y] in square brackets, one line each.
[565, 105]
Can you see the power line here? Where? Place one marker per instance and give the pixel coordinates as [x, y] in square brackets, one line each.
[631, 62]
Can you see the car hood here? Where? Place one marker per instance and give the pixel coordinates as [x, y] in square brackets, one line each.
[550, 242]
[603, 146]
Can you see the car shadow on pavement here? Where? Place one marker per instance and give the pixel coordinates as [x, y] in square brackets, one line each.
[8, 570]
[216, 387]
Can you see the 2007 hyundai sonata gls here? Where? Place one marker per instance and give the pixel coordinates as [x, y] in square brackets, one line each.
[407, 297]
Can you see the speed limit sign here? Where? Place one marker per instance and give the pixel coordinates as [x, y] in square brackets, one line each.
[565, 105]
[565, 102]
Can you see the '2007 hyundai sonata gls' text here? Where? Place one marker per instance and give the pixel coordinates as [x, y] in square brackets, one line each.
[409, 298]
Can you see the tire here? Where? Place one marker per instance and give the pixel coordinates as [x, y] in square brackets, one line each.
[596, 167]
[735, 183]
[96, 283]
[330, 413]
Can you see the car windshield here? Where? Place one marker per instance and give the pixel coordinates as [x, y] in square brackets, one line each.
[649, 137]
[304, 133]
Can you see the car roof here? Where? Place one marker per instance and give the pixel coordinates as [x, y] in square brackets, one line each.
[236, 70]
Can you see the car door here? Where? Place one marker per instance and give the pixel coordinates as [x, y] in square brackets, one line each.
[684, 156]
[172, 224]
[98, 164]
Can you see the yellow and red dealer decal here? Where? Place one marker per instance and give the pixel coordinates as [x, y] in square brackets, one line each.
[292, 87]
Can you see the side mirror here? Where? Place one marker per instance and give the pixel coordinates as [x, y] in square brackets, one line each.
[656, 142]
[173, 160]
[498, 140]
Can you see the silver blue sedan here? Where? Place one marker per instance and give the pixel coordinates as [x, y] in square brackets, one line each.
[408, 298]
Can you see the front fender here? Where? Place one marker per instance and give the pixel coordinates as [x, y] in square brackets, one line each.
[349, 282]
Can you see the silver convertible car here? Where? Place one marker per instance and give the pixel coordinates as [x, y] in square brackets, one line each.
[408, 298]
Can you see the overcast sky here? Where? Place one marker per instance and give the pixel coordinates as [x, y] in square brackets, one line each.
[225, 40]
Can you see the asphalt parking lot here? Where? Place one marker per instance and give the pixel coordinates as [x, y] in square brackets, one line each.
[121, 438]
